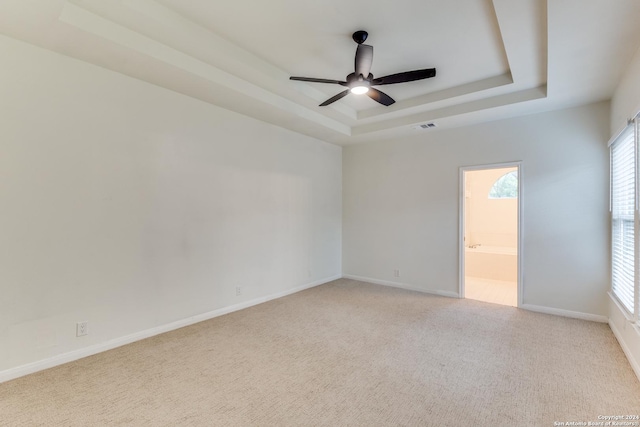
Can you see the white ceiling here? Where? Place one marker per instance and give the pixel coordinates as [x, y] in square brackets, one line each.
[494, 59]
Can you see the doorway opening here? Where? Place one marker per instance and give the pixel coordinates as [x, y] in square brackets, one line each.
[490, 233]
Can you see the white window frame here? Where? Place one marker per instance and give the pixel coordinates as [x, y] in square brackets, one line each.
[515, 172]
[634, 314]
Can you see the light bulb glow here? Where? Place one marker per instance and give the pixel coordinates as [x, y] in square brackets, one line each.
[359, 90]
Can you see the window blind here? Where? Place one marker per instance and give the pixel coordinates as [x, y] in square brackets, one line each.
[623, 208]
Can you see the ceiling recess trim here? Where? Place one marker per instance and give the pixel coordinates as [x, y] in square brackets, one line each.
[197, 34]
[150, 29]
[90, 22]
[455, 110]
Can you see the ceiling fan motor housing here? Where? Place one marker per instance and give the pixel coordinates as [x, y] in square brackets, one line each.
[358, 80]
[361, 81]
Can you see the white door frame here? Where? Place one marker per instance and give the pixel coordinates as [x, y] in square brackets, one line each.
[462, 206]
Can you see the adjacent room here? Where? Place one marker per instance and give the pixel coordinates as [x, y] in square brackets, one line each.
[412, 213]
[490, 256]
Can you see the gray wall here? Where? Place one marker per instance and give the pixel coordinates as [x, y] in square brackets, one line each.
[131, 207]
[401, 205]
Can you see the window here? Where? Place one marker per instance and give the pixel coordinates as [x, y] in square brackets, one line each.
[624, 281]
[505, 187]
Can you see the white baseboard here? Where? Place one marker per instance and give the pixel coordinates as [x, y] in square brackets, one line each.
[565, 313]
[401, 286]
[627, 352]
[60, 359]
[530, 307]
[627, 322]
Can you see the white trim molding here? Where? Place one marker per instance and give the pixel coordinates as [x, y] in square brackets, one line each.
[408, 287]
[565, 313]
[625, 348]
[626, 331]
[529, 307]
[60, 359]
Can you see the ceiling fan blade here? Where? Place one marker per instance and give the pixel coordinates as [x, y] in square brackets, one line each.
[407, 76]
[364, 58]
[335, 98]
[380, 97]
[314, 80]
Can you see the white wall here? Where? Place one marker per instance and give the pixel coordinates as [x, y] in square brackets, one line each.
[401, 202]
[131, 207]
[626, 104]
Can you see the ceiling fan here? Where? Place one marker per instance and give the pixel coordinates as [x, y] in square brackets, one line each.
[361, 81]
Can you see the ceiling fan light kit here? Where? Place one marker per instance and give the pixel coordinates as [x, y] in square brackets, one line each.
[360, 81]
[359, 90]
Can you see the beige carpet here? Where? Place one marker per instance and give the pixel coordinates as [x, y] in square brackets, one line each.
[345, 353]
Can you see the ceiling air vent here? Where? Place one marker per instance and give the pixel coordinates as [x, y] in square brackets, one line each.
[425, 126]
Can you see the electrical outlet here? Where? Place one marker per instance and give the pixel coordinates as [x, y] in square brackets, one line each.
[82, 328]
[396, 273]
[238, 291]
